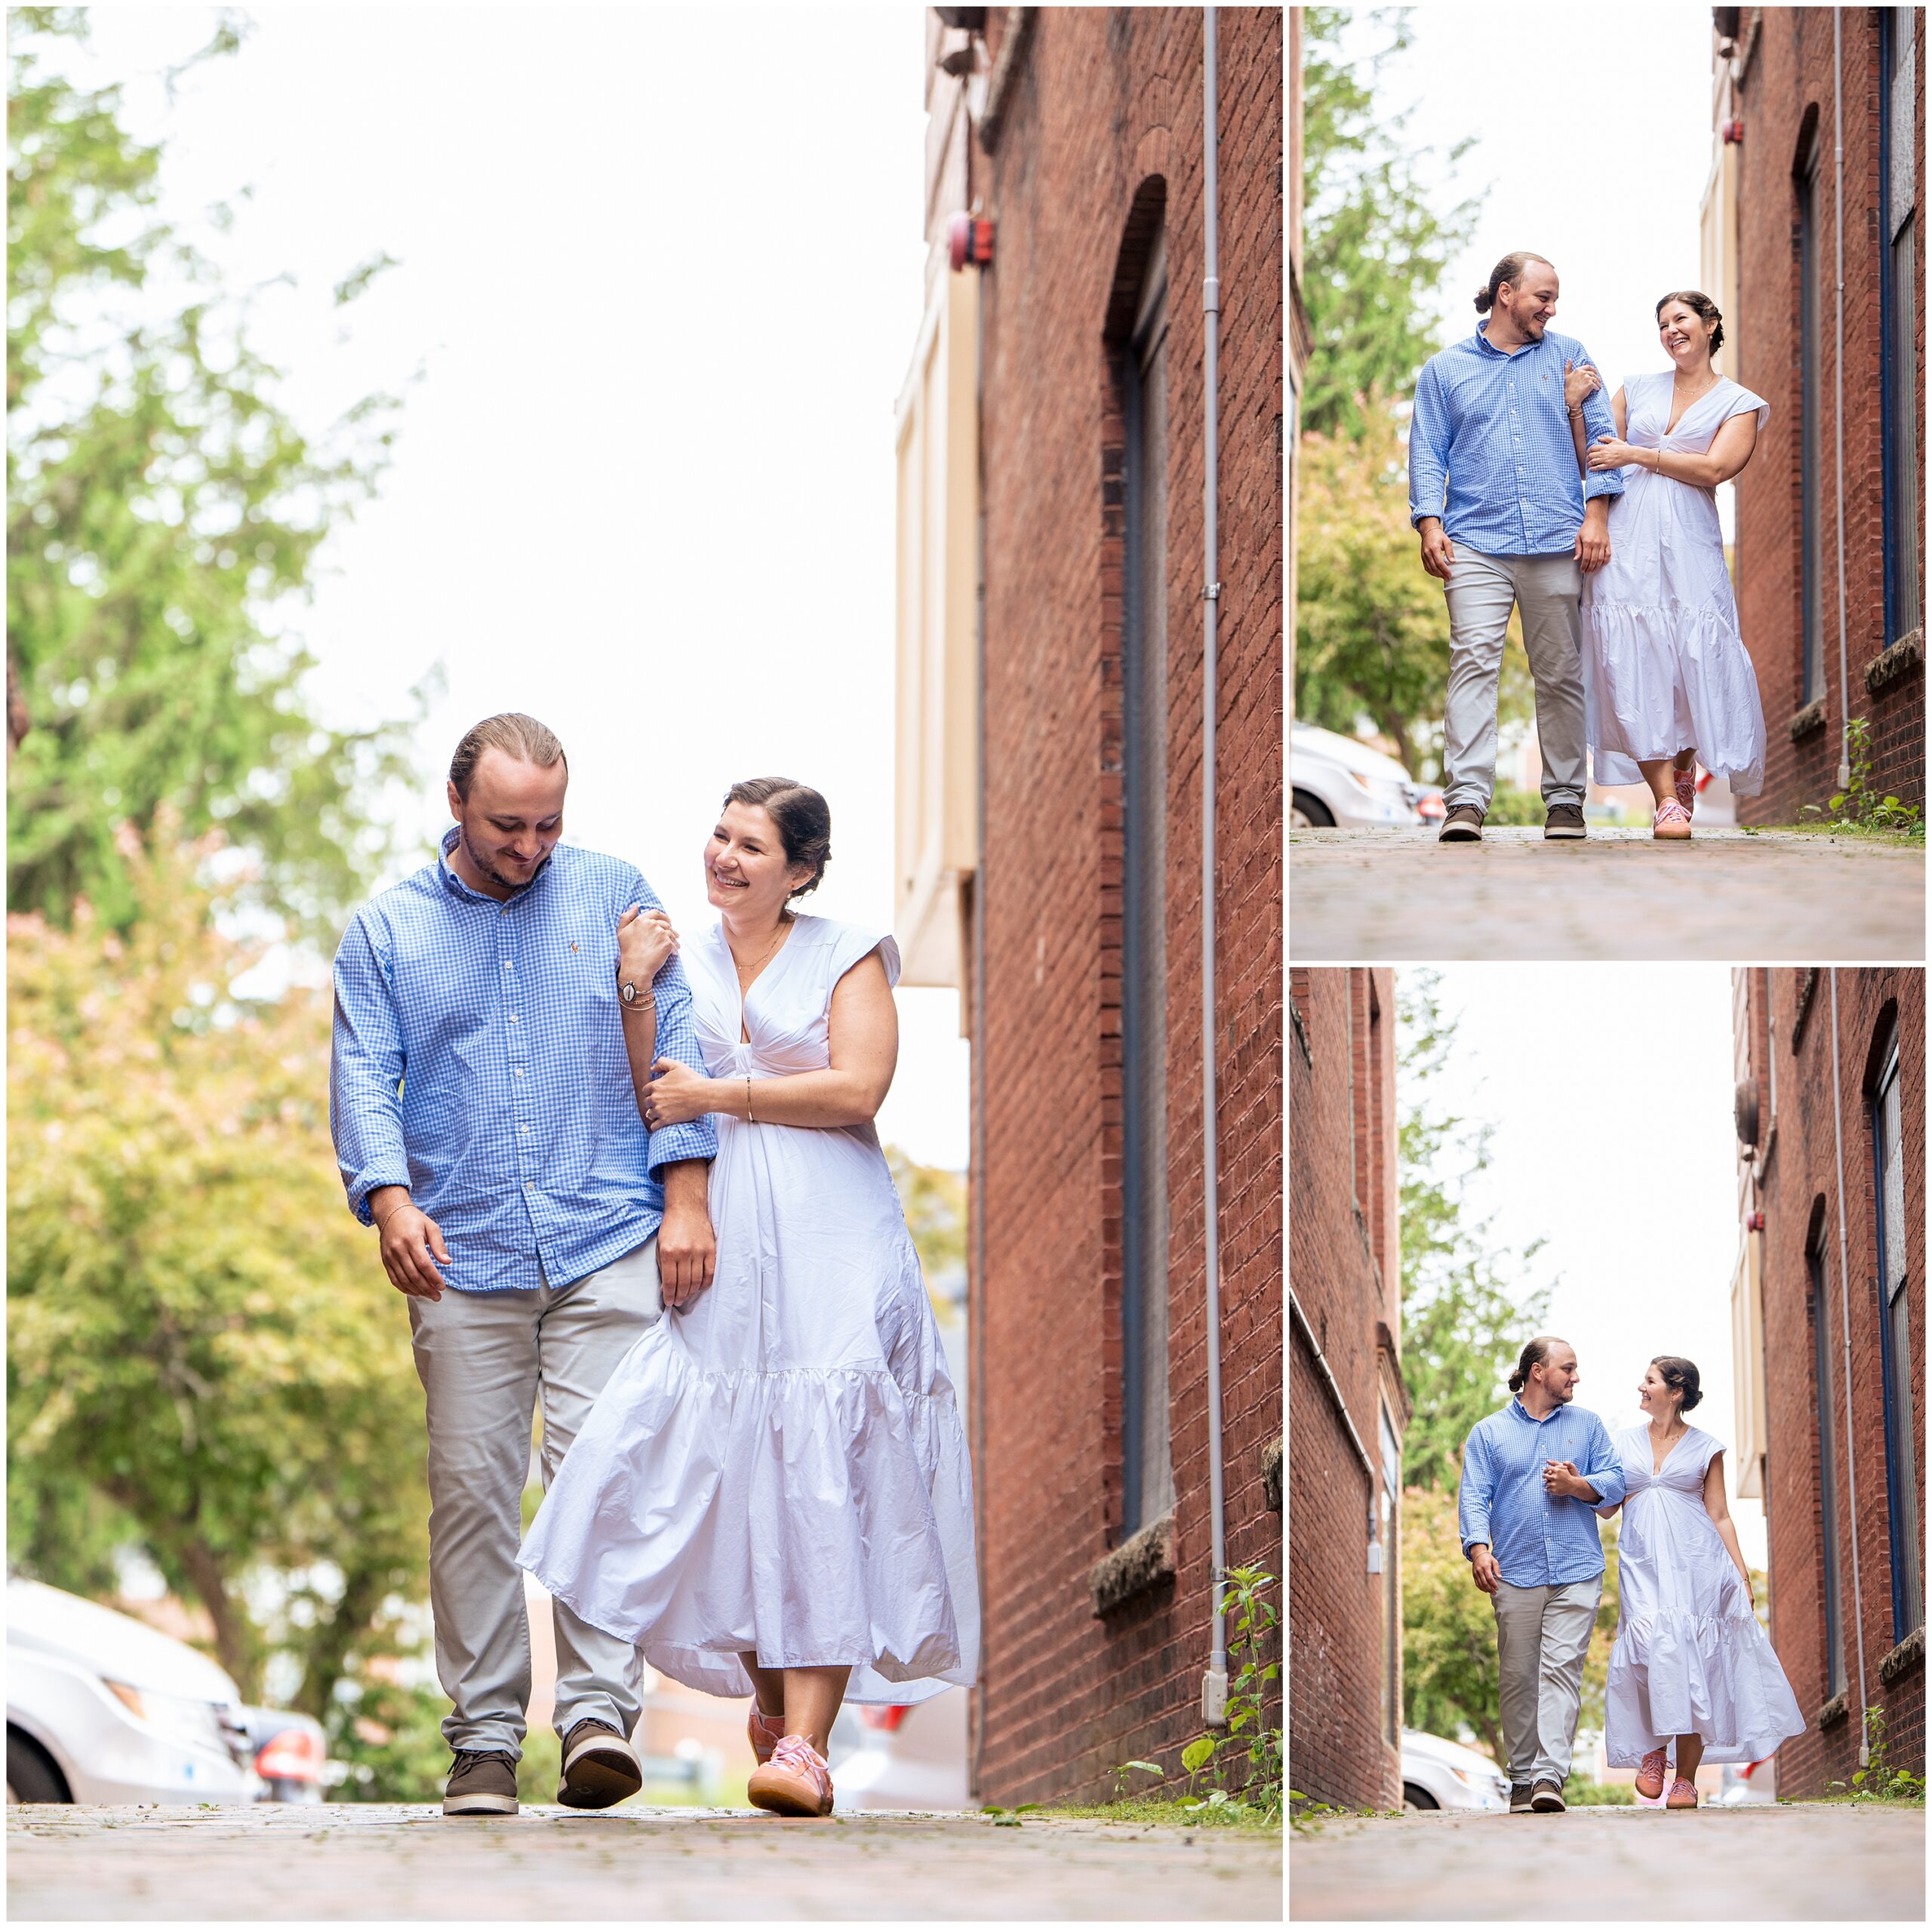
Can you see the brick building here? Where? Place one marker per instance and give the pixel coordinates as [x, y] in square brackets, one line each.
[1826, 652]
[1348, 1407]
[1052, 473]
[1828, 1307]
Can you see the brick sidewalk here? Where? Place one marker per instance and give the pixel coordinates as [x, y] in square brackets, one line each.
[357, 1862]
[1723, 1863]
[1772, 896]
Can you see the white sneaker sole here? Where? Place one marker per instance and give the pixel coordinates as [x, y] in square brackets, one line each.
[479, 1804]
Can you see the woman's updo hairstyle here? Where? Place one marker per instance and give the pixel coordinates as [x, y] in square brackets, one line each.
[803, 818]
[1510, 269]
[1679, 1372]
[1700, 305]
[1537, 1351]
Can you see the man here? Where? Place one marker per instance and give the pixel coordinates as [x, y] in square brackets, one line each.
[1505, 519]
[1530, 1538]
[492, 1040]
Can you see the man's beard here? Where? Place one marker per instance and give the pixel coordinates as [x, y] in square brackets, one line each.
[495, 875]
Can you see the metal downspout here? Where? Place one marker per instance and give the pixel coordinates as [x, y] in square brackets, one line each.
[1851, 1445]
[978, 1310]
[1838, 420]
[1214, 1685]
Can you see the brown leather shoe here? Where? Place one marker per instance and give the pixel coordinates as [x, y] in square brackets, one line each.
[1564, 820]
[1548, 1798]
[601, 1767]
[1463, 825]
[481, 1784]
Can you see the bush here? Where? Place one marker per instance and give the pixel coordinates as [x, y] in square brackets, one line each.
[1599, 1793]
[1511, 806]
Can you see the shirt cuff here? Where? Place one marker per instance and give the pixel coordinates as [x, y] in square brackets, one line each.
[1601, 482]
[673, 1144]
[359, 1192]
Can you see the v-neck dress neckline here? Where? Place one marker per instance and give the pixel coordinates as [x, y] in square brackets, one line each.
[1691, 408]
[765, 970]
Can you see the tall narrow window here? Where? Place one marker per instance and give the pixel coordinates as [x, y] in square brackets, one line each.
[1828, 1482]
[1898, 353]
[1392, 1597]
[1148, 1469]
[1811, 576]
[1901, 1473]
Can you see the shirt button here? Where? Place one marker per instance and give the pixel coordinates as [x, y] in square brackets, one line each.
[525, 1129]
[513, 1014]
[518, 1070]
[507, 964]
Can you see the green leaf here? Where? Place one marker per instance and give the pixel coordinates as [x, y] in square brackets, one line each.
[1197, 1754]
[1146, 1767]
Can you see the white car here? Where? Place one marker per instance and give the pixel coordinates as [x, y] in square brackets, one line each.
[1339, 782]
[1440, 1773]
[101, 1708]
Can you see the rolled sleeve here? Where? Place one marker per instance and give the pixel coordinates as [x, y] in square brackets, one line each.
[366, 1069]
[1475, 1494]
[1429, 448]
[677, 1037]
[1598, 421]
[1605, 1471]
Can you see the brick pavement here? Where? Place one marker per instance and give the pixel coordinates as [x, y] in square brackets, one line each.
[1766, 1863]
[373, 1862]
[1772, 896]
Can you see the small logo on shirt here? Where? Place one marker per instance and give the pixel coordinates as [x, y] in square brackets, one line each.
[573, 943]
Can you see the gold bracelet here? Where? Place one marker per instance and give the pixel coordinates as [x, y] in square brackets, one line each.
[637, 1005]
[749, 1119]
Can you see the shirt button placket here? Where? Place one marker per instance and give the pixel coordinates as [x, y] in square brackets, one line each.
[513, 1032]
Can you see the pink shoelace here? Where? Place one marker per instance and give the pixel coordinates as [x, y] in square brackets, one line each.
[1689, 1787]
[803, 1758]
[1672, 812]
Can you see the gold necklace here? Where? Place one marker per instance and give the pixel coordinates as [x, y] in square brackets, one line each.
[745, 982]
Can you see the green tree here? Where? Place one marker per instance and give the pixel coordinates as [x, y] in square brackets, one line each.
[1378, 234]
[933, 1199]
[204, 1356]
[165, 516]
[1464, 1317]
[1450, 1674]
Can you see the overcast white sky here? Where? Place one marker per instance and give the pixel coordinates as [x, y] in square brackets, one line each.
[660, 274]
[1610, 1088]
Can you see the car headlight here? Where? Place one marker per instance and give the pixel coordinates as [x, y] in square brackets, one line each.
[197, 1723]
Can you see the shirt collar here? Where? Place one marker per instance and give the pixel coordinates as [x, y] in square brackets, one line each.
[457, 887]
[1516, 1406]
[1490, 348]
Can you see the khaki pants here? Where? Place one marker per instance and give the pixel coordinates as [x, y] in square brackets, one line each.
[1481, 591]
[483, 1357]
[1542, 1637]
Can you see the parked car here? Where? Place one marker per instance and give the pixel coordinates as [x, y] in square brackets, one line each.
[1337, 782]
[892, 1757]
[101, 1708]
[1748, 1784]
[290, 1753]
[1440, 1773]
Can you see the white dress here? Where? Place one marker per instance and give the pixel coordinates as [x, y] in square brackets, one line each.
[778, 1467]
[1665, 668]
[1690, 1657]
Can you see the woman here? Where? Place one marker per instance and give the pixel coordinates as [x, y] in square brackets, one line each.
[772, 1495]
[1666, 678]
[1691, 1665]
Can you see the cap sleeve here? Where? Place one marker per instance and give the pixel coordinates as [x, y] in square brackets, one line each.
[1743, 402]
[1707, 1450]
[851, 942]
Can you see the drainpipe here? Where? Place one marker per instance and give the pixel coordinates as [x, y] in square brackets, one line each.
[1334, 1390]
[1850, 1446]
[1838, 423]
[1214, 1683]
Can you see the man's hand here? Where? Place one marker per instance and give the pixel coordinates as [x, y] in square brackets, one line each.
[1561, 1481]
[1593, 538]
[408, 1237]
[687, 1246]
[1483, 1569]
[1438, 552]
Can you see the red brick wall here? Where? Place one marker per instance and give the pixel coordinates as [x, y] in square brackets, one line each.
[1341, 1077]
[1787, 86]
[1102, 101]
[1798, 1191]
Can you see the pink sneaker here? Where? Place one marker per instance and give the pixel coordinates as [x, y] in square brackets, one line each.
[1682, 1795]
[1686, 784]
[1672, 823]
[795, 1780]
[1648, 1786]
[764, 1732]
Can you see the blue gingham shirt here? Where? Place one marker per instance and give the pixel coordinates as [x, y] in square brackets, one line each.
[1537, 1540]
[479, 1059]
[1490, 448]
